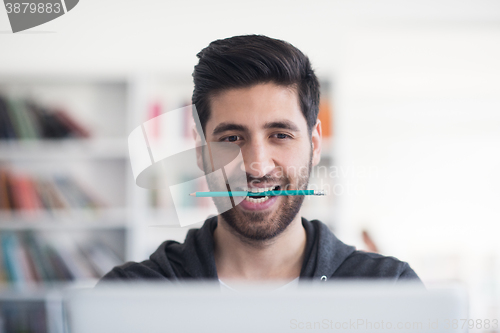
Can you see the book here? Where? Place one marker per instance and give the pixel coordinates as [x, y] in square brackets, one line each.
[26, 119]
[43, 194]
[7, 130]
[53, 127]
[101, 257]
[72, 257]
[42, 264]
[27, 258]
[24, 195]
[93, 200]
[30, 195]
[75, 128]
[61, 183]
[32, 264]
[46, 126]
[23, 123]
[19, 265]
[29, 273]
[5, 200]
[56, 200]
[61, 271]
[3, 269]
[10, 257]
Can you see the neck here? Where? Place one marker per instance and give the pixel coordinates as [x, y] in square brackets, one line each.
[278, 259]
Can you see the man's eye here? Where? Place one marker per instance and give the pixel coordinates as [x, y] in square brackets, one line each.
[231, 138]
[282, 136]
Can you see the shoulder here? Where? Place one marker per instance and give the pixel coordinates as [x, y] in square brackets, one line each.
[134, 270]
[362, 264]
[339, 260]
[173, 260]
[158, 266]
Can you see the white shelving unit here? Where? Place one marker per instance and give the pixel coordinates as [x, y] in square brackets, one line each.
[152, 226]
[67, 149]
[100, 163]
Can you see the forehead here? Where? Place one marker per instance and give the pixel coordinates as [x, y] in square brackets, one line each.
[255, 106]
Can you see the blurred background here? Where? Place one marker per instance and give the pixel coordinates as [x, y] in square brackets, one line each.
[410, 111]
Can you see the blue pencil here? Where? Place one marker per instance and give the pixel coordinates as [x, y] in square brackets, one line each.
[258, 194]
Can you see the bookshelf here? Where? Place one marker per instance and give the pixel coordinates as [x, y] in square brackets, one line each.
[63, 178]
[45, 245]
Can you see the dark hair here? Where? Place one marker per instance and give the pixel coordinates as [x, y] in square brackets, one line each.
[243, 61]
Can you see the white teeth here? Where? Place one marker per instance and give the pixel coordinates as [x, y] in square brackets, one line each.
[260, 190]
[256, 200]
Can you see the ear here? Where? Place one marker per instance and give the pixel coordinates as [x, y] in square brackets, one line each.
[199, 150]
[316, 139]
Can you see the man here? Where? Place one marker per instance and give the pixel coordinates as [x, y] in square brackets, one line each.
[262, 94]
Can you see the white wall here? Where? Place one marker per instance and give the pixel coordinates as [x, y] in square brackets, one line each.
[116, 36]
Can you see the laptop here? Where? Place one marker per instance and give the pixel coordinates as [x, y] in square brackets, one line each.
[311, 307]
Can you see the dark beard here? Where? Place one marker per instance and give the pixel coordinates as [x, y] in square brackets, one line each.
[260, 227]
[247, 227]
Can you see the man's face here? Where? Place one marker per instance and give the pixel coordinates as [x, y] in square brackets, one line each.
[266, 122]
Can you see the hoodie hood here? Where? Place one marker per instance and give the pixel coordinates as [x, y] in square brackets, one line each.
[325, 257]
[324, 253]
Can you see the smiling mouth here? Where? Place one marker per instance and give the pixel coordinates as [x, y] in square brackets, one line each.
[261, 198]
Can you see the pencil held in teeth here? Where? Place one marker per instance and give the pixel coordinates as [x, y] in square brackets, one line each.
[257, 194]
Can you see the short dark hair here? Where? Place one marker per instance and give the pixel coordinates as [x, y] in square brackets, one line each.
[244, 61]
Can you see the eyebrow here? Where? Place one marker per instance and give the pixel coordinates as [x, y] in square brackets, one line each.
[223, 127]
[283, 124]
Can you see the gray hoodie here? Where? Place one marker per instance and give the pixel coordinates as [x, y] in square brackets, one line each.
[326, 258]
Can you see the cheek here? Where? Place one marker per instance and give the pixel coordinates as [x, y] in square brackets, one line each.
[293, 163]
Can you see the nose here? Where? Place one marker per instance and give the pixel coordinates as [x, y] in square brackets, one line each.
[258, 159]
